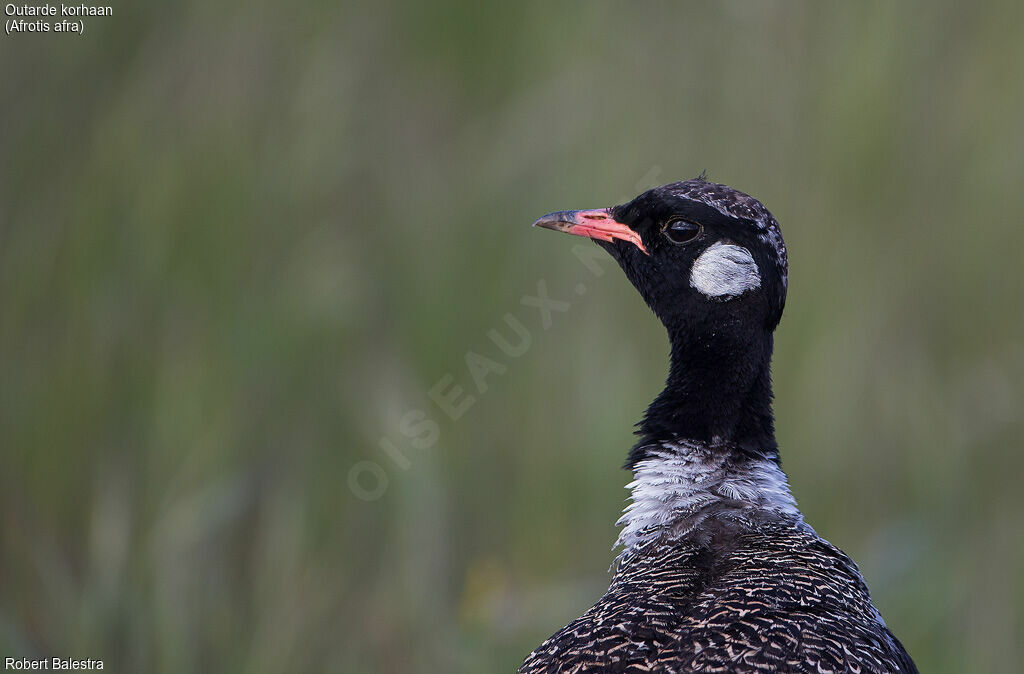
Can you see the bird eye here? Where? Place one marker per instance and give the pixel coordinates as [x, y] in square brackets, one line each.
[682, 231]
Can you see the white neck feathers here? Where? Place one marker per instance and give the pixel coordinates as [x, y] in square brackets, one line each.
[679, 480]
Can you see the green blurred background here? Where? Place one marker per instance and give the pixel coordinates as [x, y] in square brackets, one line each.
[240, 245]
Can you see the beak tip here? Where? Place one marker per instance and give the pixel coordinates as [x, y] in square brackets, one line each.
[556, 221]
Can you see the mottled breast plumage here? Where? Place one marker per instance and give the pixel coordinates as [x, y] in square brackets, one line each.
[759, 593]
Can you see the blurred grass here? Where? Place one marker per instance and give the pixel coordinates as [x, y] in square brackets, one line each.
[238, 244]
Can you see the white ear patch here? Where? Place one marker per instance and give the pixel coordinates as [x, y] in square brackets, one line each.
[725, 271]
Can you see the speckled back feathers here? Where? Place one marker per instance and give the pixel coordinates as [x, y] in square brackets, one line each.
[763, 594]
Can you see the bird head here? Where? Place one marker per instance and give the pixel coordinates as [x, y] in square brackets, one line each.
[711, 263]
[693, 249]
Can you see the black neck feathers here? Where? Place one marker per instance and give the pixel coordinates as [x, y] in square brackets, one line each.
[718, 391]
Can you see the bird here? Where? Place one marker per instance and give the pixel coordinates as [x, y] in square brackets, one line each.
[718, 570]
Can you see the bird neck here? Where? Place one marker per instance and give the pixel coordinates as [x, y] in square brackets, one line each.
[707, 443]
[718, 393]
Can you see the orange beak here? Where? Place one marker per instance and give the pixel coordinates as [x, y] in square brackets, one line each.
[595, 224]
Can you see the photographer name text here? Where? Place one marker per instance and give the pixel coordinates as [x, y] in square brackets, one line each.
[51, 664]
